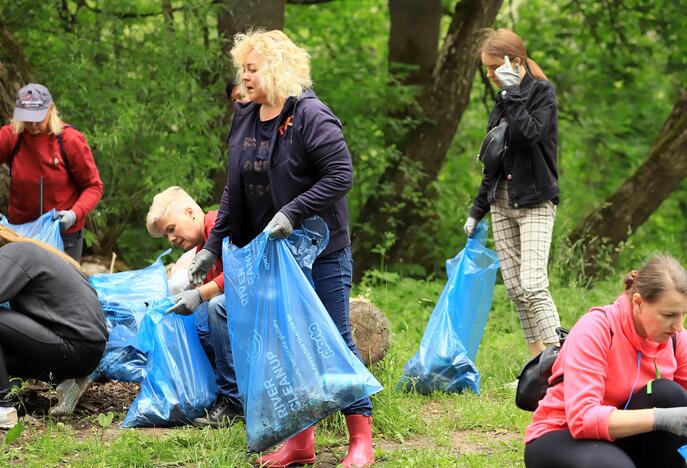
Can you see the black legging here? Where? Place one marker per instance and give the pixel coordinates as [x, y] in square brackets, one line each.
[30, 349]
[656, 448]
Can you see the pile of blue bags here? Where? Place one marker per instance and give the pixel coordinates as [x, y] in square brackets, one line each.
[445, 361]
[162, 352]
[292, 365]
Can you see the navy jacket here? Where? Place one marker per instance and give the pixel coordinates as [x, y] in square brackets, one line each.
[529, 165]
[310, 171]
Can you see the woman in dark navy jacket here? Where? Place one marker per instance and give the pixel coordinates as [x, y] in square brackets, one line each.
[288, 160]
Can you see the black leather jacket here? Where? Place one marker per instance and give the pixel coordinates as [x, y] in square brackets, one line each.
[529, 165]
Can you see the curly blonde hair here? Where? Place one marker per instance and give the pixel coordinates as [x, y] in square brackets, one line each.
[285, 67]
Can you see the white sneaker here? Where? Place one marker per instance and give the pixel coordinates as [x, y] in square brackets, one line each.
[8, 417]
[68, 393]
[511, 385]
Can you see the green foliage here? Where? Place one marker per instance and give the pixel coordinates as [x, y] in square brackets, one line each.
[147, 98]
[14, 433]
[104, 420]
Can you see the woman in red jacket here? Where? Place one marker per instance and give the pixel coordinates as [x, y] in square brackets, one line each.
[623, 399]
[51, 166]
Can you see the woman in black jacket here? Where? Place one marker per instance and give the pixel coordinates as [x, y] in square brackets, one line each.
[54, 327]
[520, 187]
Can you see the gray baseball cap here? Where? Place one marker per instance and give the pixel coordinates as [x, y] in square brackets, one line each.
[32, 104]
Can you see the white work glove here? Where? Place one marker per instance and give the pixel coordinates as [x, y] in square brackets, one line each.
[506, 74]
[673, 420]
[67, 219]
[200, 266]
[469, 226]
[280, 226]
[185, 302]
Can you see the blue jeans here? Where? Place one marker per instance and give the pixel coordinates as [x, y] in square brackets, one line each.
[332, 275]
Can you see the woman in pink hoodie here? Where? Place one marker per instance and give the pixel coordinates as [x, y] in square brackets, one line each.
[622, 401]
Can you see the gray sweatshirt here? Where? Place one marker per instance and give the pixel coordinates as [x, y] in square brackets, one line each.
[51, 291]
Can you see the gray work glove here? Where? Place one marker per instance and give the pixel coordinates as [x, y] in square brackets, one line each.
[3, 219]
[185, 302]
[673, 420]
[67, 219]
[280, 226]
[506, 74]
[200, 266]
[469, 227]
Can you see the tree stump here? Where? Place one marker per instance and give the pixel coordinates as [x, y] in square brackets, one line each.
[371, 330]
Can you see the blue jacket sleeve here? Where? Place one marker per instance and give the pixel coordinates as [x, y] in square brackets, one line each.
[326, 150]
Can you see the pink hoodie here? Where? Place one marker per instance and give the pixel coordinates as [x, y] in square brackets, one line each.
[600, 370]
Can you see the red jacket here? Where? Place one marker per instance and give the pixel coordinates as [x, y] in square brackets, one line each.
[216, 274]
[40, 155]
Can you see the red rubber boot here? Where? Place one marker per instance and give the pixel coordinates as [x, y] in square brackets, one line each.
[298, 450]
[360, 452]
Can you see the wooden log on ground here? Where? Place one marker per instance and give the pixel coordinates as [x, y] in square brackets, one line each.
[371, 330]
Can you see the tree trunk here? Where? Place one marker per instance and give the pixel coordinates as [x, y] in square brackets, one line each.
[405, 187]
[607, 227]
[14, 72]
[414, 38]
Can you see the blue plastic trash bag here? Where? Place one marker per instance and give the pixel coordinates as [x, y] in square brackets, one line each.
[121, 360]
[128, 314]
[145, 285]
[683, 451]
[179, 383]
[445, 360]
[292, 366]
[307, 242]
[45, 229]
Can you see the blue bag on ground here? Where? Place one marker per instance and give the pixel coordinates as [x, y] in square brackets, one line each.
[121, 360]
[292, 366]
[179, 383]
[145, 285]
[45, 229]
[445, 360]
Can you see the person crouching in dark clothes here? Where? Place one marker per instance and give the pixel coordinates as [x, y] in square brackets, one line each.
[54, 328]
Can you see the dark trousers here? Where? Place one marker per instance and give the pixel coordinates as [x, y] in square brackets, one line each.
[30, 349]
[655, 448]
[332, 278]
[73, 244]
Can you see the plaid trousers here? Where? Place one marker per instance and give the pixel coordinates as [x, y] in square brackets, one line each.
[523, 238]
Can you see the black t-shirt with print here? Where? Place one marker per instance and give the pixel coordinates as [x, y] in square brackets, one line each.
[257, 197]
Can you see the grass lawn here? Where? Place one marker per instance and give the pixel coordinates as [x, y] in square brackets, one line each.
[409, 429]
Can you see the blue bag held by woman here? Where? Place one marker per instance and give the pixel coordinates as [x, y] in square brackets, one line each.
[446, 358]
[179, 382]
[292, 366]
[144, 285]
[45, 229]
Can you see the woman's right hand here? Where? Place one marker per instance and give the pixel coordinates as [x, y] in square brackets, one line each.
[673, 420]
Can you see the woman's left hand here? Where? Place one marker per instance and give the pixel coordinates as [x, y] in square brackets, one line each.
[506, 74]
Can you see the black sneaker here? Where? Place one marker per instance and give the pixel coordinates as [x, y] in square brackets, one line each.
[222, 413]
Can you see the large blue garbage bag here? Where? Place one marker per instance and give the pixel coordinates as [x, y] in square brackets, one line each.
[292, 366]
[145, 285]
[179, 383]
[121, 359]
[45, 229]
[445, 360]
